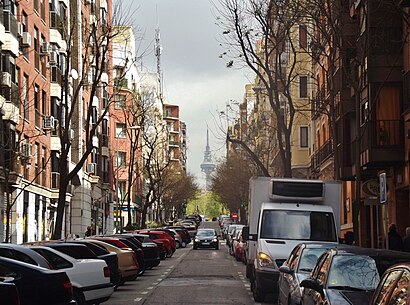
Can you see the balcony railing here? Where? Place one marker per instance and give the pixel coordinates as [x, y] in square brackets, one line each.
[324, 153]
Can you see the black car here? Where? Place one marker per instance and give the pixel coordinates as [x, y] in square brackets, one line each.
[151, 250]
[348, 276]
[9, 294]
[145, 239]
[36, 285]
[206, 238]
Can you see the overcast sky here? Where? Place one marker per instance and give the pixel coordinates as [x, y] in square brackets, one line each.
[194, 76]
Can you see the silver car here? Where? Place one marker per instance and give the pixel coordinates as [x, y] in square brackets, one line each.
[296, 268]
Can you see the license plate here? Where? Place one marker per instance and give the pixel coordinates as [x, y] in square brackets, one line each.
[206, 244]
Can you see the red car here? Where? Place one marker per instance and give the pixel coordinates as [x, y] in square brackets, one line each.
[162, 237]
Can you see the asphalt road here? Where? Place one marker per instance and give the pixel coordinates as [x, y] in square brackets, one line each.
[204, 276]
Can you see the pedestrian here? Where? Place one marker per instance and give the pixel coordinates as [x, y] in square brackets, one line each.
[406, 240]
[395, 240]
[349, 238]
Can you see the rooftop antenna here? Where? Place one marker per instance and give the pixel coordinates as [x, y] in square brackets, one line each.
[158, 51]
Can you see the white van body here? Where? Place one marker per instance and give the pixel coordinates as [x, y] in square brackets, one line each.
[282, 213]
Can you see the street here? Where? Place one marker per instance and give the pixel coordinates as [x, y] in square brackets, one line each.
[204, 276]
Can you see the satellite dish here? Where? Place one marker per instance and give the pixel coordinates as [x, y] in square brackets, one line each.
[74, 74]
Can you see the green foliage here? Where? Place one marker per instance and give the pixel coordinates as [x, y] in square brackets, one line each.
[207, 204]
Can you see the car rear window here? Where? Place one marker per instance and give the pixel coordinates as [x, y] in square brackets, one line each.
[76, 251]
[98, 250]
[17, 255]
[56, 261]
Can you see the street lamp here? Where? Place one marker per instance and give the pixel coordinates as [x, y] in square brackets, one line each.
[117, 135]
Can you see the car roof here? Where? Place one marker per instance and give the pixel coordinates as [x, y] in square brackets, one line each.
[39, 259]
[315, 245]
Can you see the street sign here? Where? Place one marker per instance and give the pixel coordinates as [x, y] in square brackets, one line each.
[383, 187]
[235, 216]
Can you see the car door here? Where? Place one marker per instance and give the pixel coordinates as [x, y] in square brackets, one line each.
[393, 289]
[287, 281]
[310, 296]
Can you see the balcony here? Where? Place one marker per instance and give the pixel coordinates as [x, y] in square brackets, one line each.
[382, 143]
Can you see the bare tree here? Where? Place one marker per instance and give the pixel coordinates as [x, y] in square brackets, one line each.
[231, 183]
[258, 34]
[85, 74]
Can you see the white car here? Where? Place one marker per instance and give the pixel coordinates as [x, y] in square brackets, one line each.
[90, 277]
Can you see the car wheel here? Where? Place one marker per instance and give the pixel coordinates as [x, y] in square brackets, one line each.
[183, 244]
[78, 297]
[257, 293]
[178, 244]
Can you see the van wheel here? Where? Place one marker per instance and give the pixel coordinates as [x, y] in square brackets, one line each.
[258, 295]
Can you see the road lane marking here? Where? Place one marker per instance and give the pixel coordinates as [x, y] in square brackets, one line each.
[137, 299]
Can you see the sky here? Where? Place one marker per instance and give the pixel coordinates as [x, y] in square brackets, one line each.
[194, 77]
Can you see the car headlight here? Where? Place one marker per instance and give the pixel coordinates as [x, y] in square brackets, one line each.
[196, 240]
[264, 260]
[215, 240]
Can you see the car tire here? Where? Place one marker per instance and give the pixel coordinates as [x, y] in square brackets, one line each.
[257, 293]
[177, 244]
[183, 244]
[78, 297]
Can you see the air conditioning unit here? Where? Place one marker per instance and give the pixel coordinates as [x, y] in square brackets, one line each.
[26, 39]
[92, 168]
[52, 58]
[44, 49]
[6, 79]
[25, 149]
[49, 122]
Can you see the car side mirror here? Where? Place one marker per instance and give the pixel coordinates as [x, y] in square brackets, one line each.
[245, 233]
[285, 269]
[312, 284]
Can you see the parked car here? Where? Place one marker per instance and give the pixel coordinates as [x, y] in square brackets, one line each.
[127, 242]
[116, 242]
[183, 232]
[348, 276]
[206, 238]
[224, 227]
[144, 238]
[90, 277]
[157, 236]
[150, 249]
[175, 235]
[394, 287]
[190, 226]
[238, 246]
[36, 285]
[296, 268]
[109, 257]
[231, 232]
[23, 254]
[127, 262]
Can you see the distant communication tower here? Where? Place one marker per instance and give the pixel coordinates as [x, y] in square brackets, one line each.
[158, 51]
[207, 166]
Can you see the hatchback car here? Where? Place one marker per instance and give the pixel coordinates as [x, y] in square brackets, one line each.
[394, 287]
[348, 276]
[206, 238]
[296, 268]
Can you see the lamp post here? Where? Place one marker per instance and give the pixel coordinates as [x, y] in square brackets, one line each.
[118, 217]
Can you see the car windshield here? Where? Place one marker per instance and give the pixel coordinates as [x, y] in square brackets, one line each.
[205, 233]
[353, 272]
[309, 258]
[306, 225]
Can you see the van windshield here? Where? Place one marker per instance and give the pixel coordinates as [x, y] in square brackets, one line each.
[298, 225]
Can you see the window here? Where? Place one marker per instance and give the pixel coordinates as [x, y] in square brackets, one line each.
[24, 91]
[120, 130]
[121, 187]
[120, 101]
[303, 137]
[121, 158]
[302, 36]
[56, 261]
[303, 86]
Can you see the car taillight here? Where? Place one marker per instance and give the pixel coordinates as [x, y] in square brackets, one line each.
[106, 272]
[68, 287]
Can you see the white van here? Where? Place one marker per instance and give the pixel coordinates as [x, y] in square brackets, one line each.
[283, 213]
